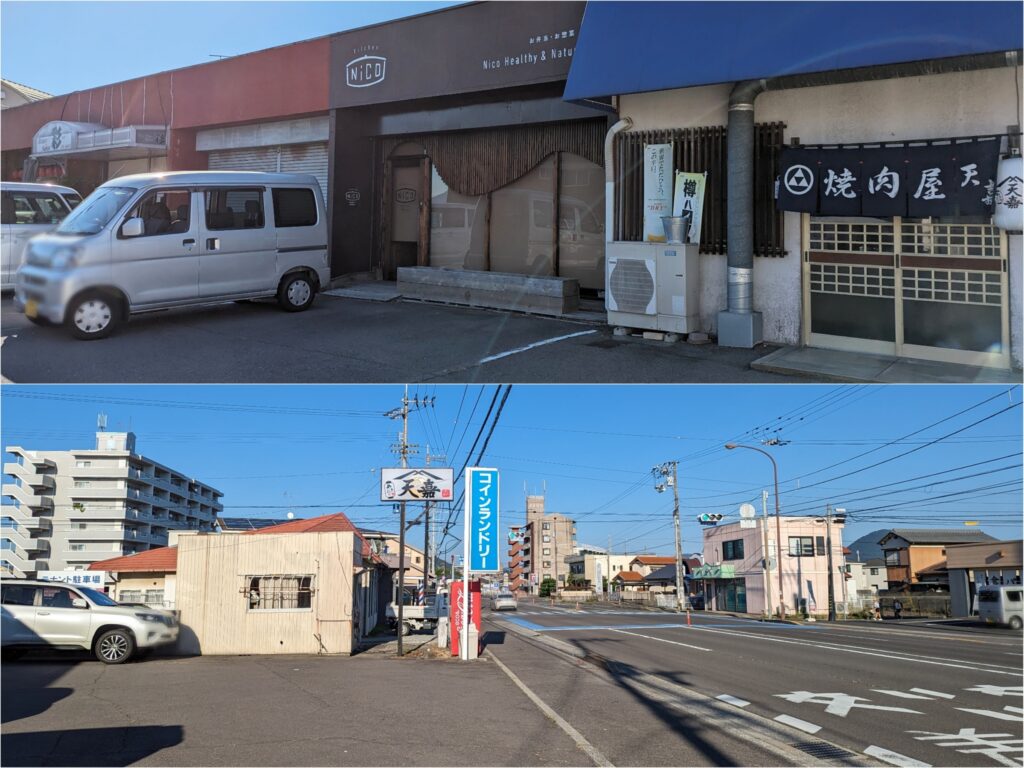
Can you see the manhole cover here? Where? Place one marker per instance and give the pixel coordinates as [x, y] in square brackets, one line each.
[822, 749]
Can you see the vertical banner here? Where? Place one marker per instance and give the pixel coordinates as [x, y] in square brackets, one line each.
[598, 578]
[1009, 188]
[657, 190]
[455, 608]
[482, 529]
[689, 196]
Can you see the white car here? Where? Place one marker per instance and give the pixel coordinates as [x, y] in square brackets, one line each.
[29, 210]
[504, 601]
[45, 614]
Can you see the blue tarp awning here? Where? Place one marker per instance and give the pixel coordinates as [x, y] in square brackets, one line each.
[635, 47]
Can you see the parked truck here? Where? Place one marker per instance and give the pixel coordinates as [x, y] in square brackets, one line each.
[417, 617]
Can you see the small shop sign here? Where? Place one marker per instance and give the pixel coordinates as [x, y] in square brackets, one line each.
[657, 190]
[951, 178]
[715, 572]
[433, 484]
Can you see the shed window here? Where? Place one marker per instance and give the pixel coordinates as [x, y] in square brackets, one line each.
[275, 593]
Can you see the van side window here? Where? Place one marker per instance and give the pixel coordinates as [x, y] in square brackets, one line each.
[1013, 596]
[164, 212]
[234, 209]
[294, 207]
[33, 208]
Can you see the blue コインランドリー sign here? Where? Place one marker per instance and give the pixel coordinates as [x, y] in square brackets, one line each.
[482, 535]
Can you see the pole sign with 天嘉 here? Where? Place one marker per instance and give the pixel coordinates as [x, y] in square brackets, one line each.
[416, 484]
[482, 527]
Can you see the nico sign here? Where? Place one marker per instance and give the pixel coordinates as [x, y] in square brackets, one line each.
[419, 484]
[481, 526]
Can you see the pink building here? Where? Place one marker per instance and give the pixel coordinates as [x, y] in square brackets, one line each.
[733, 577]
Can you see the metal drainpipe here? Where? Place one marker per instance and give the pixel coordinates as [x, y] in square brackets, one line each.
[740, 194]
[609, 176]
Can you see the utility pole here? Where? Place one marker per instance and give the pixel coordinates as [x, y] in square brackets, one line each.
[428, 559]
[767, 554]
[608, 576]
[404, 449]
[831, 573]
[670, 471]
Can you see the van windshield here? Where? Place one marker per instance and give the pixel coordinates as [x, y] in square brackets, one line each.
[93, 213]
[988, 596]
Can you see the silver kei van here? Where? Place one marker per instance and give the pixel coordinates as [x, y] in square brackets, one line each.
[28, 210]
[160, 240]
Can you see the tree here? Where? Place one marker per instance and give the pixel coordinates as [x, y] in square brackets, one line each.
[547, 587]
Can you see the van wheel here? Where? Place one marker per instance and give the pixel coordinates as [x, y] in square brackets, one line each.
[296, 293]
[93, 316]
[115, 646]
[1015, 622]
[406, 629]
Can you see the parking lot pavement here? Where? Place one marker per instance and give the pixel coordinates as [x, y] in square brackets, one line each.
[349, 340]
[273, 710]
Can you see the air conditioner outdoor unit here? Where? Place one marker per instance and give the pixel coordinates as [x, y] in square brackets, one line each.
[654, 286]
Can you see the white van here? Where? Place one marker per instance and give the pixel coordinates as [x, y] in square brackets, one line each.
[1001, 604]
[160, 240]
[28, 210]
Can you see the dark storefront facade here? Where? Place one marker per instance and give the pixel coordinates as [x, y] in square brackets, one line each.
[451, 146]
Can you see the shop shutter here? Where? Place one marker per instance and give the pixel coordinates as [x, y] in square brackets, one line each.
[290, 158]
[306, 158]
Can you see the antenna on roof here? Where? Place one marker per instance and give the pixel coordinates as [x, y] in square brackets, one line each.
[101, 422]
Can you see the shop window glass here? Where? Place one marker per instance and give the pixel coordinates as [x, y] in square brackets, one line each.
[458, 227]
[581, 221]
[294, 208]
[519, 242]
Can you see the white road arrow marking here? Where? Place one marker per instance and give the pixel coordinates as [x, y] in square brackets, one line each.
[838, 703]
[934, 693]
[998, 690]
[901, 694]
[995, 745]
[1018, 713]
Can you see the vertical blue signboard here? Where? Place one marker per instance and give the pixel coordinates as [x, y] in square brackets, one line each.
[483, 536]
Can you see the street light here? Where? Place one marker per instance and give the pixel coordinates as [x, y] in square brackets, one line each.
[778, 520]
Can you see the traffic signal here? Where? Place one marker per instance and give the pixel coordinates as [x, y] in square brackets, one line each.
[709, 518]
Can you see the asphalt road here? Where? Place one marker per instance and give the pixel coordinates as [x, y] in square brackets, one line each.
[344, 340]
[906, 694]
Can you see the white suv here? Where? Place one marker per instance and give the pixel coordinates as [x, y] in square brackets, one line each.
[47, 614]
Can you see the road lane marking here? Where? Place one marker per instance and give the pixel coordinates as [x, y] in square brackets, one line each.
[795, 722]
[659, 639]
[959, 664]
[895, 758]
[581, 742]
[901, 694]
[733, 700]
[1014, 713]
[534, 345]
[936, 634]
[998, 690]
[934, 693]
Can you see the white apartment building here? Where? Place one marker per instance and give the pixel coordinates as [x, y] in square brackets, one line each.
[63, 510]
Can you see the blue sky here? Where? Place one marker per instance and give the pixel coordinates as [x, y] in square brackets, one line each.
[60, 47]
[314, 449]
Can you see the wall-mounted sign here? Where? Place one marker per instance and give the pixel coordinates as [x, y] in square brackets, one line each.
[481, 522]
[1009, 214]
[405, 195]
[947, 179]
[657, 190]
[416, 484]
[353, 196]
[365, 71]
[476, 47]
[715, 572]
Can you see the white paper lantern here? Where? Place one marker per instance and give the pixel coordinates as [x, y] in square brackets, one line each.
[1009, 191]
